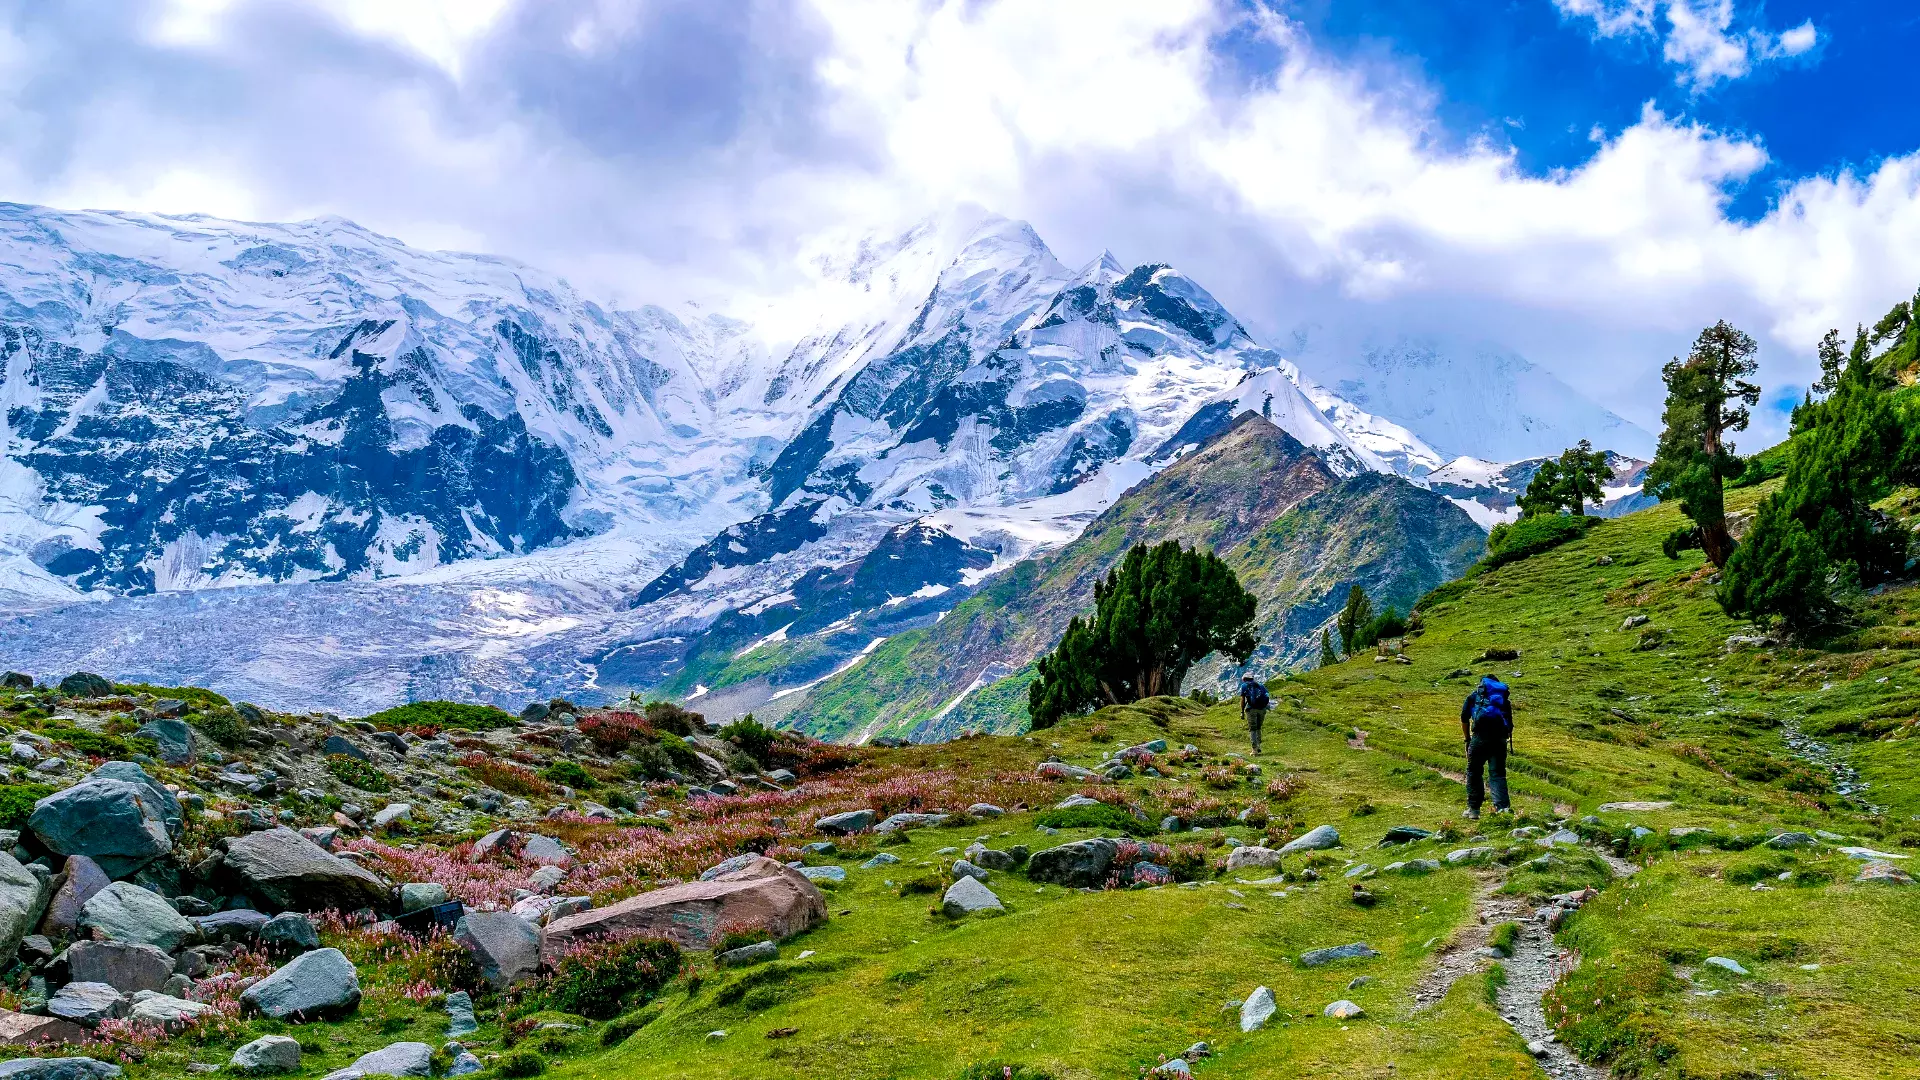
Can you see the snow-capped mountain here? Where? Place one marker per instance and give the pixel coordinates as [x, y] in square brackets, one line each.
[1468, 401]
[306, 462]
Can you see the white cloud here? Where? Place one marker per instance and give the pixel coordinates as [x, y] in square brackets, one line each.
[1700, 37]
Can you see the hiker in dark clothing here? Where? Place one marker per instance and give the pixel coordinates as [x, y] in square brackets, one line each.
[1486, 722]
[1253, 707]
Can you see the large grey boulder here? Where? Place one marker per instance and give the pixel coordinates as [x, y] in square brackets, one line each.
[287, 871]
[505, 946]
[1319, 838]
[163, 1011]
[174, 738]
[124, 911]
[126, 966]
[1253, 855]
[267, 1055]
[288, 933]
[544, 851]
[87, 1003]
[69, 1068]
[843, 824]
[418, 895]
[119, 825]
[968, 896]
[312, 986]
[23, 899]
[399, 1059]
[1257, 1009]
[910, 821]
[165, 802]
[85, 684]
[84, 879]
[1081, 864]
[239, 924]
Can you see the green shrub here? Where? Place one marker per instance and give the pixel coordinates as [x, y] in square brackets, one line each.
[1443, 594]
[16, 803]
[224, 728]
[670, 718]
[621, 1028]
[193, 695]
[353, 772]
[751, 736]
[570, 774]
[441, 714]
[602, 977]
[999, 1070]
[922, 885]
[1101, 816]
[683, 756]
[1503, 938]
[650, 760]
[90, 743]
[1531, 536]
[520, 1063]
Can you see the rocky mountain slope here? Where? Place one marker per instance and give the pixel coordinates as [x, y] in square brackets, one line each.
[964, 673]
[1707, 874]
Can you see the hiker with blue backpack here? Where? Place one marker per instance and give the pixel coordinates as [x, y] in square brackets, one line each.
[1486, 721]
[1253, 707]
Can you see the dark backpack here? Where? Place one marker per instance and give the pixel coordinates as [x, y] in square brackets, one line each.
[1254, 695]
[1492, 711]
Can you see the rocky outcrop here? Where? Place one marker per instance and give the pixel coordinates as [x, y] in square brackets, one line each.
[763, 894]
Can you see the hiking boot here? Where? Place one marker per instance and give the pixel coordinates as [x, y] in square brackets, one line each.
[1472, 815]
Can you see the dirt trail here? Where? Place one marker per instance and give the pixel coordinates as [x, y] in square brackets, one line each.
[1536, 964]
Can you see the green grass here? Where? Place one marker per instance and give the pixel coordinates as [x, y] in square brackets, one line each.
[440, 714]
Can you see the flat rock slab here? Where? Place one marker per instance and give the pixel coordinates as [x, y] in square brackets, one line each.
[25, 1029]
[763, 894]
[1404, 834]
[1319, 838]
[68, 1068]
[746, 955]
[1634, 807]
[1359, 950]
[87, 1003]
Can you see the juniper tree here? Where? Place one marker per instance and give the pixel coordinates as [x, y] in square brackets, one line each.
[1567, 483]
[1328, 657]
[1161, 611]
[1708, 397]
[1353, 619]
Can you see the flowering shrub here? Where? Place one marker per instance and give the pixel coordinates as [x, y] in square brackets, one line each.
[415, 966]
[1187, 862]
[1256, 816]
[668, 717]
[1220, 776]
[503, 776]
[1135, 863]
[1285, 788]
[616, 730]
[569, 774]
[602, 977]
[1099, 733]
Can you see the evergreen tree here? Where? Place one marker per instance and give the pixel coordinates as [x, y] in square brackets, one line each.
[1708, 397]
[1162, 610]
[1544, 492]
[1354, 619]
[1328, 657]
[1567, 483]
[1832, 362]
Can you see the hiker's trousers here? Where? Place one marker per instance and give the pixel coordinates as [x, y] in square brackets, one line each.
[1491, 756]
[1256, 719]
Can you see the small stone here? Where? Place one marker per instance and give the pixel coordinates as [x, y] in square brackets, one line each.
[391, 814]
[1359, 981]
[1257, 1009]
[1883, 873]
[398, 1059]
[985, 810]
[1561, 838]
[461, 1020]
[267, 1055]
[845, 824]
[1403, 834]
[463, 1062]
[967, 896]
[1787, 840]
[1359, 950]
[1725, 964]
[1343, 1010]
[823, 873]
[885, 858]
[758, 953]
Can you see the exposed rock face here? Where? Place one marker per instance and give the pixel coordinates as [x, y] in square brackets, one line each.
[24, 1029]
[70, 1068]
[287, 871]
[763, 894]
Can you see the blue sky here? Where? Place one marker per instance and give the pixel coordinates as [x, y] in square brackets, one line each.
[1585, 183]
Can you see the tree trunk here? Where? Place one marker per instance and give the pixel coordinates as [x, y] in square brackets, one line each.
[1717, 542]
[1112, 698]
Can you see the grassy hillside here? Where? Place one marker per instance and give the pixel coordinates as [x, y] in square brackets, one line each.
[1297, 535]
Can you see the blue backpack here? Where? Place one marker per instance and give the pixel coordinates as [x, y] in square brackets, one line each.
[1492, 710]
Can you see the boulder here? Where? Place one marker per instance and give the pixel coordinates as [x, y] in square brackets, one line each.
[1243, 857]
[1732, 967]
[763, 894]
[164, 801]
[544, 851]
[1074, 800]
[1257, 1009]
[1403, 834]
[909, 821]
[1359, 950]
[1080, 864]
[267, 1055]
[1883, 873]
[835, 874]
[726, 866]
[25, 1029]
[746, 955]
[499, 841]
[1319, 838]
[163, 1011]
[1635, 807]
[14, 680]
[393, 813]
[1343, 1010]
[173, 738]
[505, 946]
[336, 744]
[124, 911]
[23, 900]
[125, 966]
[119, 825]
[239, 924]
[987, 858]
[845, 824]
[87, 1003]
[1559, 838]
[85, 684]
[885, 858]
[312, 986]
[415, 896]
[399, 1059]
[287, 871]
[289, 933]
[1060, 770]
[985, 810]
[1788, 840]
[84, 879]
[68, 1068]
[968, 896]
[463, 1062]
[460, 1017]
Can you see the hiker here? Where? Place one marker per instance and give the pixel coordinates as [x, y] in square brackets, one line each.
[1253, 707]
[1486, 722]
